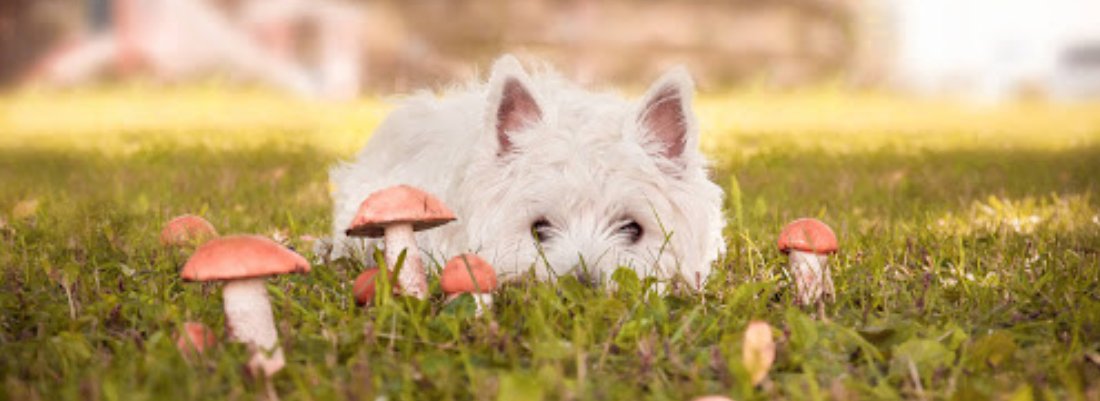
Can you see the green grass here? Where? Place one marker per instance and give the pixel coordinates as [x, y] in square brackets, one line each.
[969, 268]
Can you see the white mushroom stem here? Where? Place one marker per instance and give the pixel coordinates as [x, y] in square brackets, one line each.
[250, 321]
[811, 277]
[413, 280]
[268, 364]
[248, 313]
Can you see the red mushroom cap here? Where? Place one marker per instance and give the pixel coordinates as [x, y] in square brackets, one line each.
[395, 205]
[365, 287]
[241, 256]
[195, 336]
[456, 279]
[187, 229]
[807, 235]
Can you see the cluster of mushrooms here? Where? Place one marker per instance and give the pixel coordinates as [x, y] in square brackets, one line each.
[394, 214]
[244, 262]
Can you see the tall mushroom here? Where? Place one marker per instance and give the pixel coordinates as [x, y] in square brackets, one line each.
[243, 262]
[809, 242]
[187, 230]
[396, 213]
[468, 273]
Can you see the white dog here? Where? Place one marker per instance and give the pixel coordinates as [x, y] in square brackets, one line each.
[547, 176]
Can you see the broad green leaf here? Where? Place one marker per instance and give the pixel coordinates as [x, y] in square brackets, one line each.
[991, 350]
[925, 355]
[520, 387]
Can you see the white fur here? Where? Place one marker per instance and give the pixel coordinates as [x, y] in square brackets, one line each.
[585, 165]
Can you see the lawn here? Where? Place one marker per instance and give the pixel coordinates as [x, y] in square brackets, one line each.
[969, 265]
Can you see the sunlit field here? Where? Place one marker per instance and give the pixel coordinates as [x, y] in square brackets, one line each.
[969, 262]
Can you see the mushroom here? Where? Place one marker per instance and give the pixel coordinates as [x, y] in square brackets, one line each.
[468, 273]
[195, 338]
[187, 230]
[243, 261]
[365, 286]
[396, 213]
[809, 242]
[758, 350]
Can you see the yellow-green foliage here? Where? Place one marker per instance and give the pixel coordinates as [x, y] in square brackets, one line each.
[835, 121]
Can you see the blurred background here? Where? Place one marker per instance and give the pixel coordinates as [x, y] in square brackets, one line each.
[981, 50]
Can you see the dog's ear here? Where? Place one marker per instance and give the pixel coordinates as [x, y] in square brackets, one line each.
[664, 118]
[512, 105]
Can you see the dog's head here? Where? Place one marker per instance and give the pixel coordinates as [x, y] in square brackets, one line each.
[572, 182]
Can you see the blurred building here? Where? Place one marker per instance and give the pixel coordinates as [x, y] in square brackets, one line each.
[410, 44]
[985, 49]
[996, 49]
[778, 42]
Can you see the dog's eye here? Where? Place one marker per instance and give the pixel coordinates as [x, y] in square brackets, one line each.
[541, 230]
[632, 230]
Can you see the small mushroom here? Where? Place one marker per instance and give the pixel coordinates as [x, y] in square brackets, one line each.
[243, 261]
[809, 242]
[195, 338]
[365, 286]
[468, 273]
[187, 230]
[758, 350]
[395, 213]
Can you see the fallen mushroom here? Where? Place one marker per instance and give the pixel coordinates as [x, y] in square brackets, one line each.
[396, 213]
[187, 230]
[195, 338]
[809, 243]
[243, 261]
[468, 273]
[758, 350]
